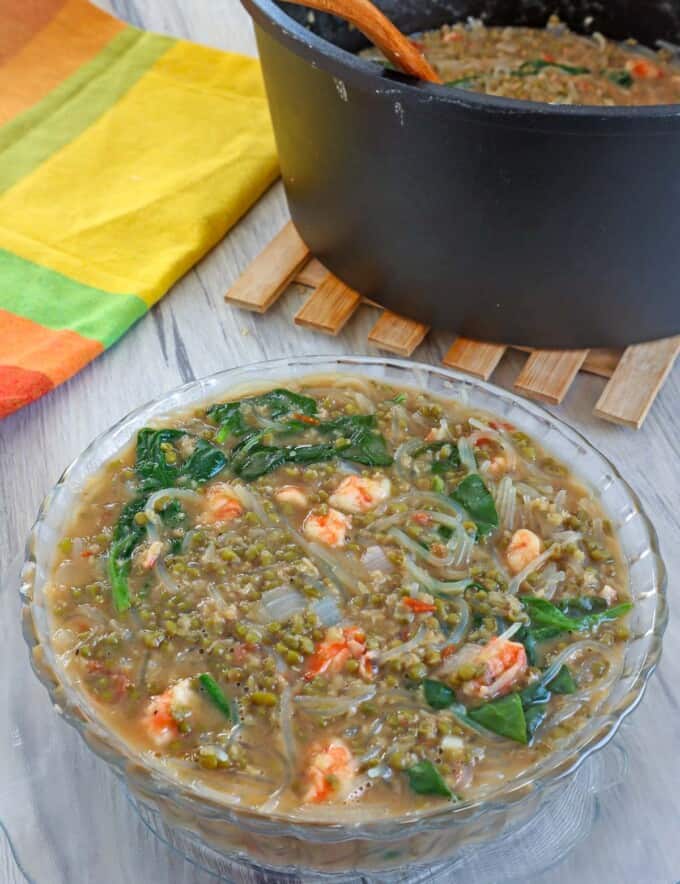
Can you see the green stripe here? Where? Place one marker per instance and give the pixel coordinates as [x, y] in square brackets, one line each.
[33, 136]
[57, 302]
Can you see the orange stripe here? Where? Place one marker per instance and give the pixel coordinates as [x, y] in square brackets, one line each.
[57, 354]
[21, 20]
[74, 36]
[18, 387]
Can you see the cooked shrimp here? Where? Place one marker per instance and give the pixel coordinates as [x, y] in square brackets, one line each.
[503, 663]
[293, 495]
[330, 771]
[337, 647]
[355, 494]
[330, 528]
[524, 547]
[159, 720]
[497, 466]
[152, 554]
[222, 505]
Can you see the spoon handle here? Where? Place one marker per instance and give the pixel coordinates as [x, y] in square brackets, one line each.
[381, 32]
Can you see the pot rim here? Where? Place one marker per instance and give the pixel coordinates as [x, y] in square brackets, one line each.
[363, 72]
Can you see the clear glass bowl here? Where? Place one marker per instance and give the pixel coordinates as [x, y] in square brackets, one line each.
[375, 845]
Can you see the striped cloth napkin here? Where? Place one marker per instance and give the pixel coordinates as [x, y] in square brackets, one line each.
[124, 157]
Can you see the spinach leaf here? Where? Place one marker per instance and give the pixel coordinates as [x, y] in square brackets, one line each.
[155, 471]
[204, 462]
[504, 716]
[280, 402]
[230, 419]
[563, 682]
[575, 606]
[622, 78]
[218, 697]
[546, 615]
[151, 464]
[473, 495]
[127, 534]
[446, 464]
[172, 513]
[437, 694]
[536, 65]
[425, 779]
[261, 460]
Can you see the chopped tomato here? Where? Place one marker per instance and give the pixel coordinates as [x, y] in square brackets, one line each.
[447, 651]
[501, 425]
[418, 606]
[330, 771]
[548, 57]
[305, 418]
[644, 69]
[86, 554]
[422, 518]
[336, 649]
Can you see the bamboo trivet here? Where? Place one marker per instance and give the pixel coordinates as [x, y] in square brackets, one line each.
[635, 375]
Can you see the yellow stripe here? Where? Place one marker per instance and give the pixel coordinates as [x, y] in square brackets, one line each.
[155, 182]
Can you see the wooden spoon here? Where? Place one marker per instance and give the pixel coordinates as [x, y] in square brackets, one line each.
[381, 32]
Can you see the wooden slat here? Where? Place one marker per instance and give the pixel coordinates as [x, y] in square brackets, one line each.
[270, 273]
[312, 274]
[638, 377]
[599, 362]
[329, 307]
[548, 374]
[602, 362]
[474, 357]
[397, 334]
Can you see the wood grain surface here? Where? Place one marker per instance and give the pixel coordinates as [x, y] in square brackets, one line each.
[192, 332]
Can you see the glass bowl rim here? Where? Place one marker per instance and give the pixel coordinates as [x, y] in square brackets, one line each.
[126, 762]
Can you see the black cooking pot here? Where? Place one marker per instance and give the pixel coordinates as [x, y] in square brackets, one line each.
[527, 223]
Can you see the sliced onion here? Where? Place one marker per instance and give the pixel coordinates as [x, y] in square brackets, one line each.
[281, 603]
[518, 580]
[251, 502]
[405, 648]
[443, 587]
[374, 559]
[418, 550]
[327, 610]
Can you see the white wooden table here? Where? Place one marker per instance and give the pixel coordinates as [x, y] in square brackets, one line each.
[192, 333]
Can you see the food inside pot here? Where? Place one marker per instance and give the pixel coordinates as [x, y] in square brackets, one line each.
[340, 598]
[552, 64]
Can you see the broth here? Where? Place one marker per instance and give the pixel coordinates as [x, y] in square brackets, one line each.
[340, 599]
[552, 65]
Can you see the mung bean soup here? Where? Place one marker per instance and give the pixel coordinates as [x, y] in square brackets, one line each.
[551, 64]
[340, 598]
